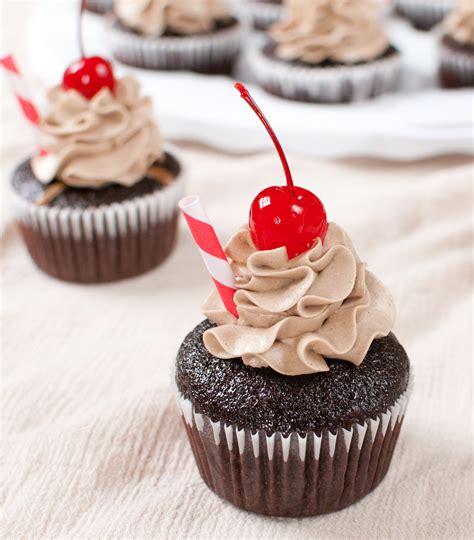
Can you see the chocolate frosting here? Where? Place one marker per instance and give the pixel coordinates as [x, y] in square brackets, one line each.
[460, 23]
[294, 314]
[154, 17]
[110, 138]
[345, 31]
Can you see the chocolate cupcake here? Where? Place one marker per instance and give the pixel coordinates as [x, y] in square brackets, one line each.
[424, 14]
[294, 395]
[327, 51]
[457, 47]
[99, 6]
[262, 13]
[100, 203]
[199, 36]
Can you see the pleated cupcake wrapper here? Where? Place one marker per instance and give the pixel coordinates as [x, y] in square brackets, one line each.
[261, 14]
[117, 219]
[104, 243]
[457, 65]
[207, 52]
[294, 475]
[326, 84]
[426, 13]
[100, 6]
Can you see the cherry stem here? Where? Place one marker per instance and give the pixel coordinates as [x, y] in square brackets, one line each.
[81, 40]
[245, 94]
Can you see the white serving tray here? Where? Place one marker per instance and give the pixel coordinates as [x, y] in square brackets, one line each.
[419, 121]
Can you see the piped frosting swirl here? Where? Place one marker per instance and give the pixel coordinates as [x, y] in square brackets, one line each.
[294, 314]
[460, 23]
[345, 31]
[111, 138]
[154, 17]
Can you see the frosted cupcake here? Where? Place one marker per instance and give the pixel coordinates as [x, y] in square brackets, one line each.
[424, 14]
[457, 47]
[328, 51]
[100, 202]
[199, 36]
[294, 396]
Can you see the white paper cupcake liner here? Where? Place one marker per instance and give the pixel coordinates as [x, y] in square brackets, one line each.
[424, 13]
[104, 243]
[207, 53]
[456, 67]
[336, 84]
[298, 475]
[261, 14]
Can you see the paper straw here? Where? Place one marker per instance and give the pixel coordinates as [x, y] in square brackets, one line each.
[211, 250]
[21, 93]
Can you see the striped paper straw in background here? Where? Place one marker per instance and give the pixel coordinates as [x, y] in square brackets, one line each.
[20, 90]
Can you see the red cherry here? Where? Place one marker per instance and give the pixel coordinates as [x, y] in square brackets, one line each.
[284, 216]
[278, 219]
[89, 75]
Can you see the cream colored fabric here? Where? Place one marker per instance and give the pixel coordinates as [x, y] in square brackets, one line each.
[111, 138]
[92, 443]
[153, 17]
[338, 30]
[293, 314]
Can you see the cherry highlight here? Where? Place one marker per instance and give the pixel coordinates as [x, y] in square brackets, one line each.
[245, 94]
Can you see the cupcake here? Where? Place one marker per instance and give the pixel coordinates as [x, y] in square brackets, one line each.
[99, 203]
[424, 14]
[199, 36]
[99, 6]
[262, 13]
[457, 47]
[293, 401]
[328, 51]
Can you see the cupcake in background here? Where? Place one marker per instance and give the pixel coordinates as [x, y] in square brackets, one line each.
[200, 36]
[293, 390]
[99, 203]
[328, 51]
[262, 13]
[99, 6]
[424, 14]
[457, 47]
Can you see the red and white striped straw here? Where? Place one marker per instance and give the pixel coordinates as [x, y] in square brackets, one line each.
[22, 95]
[211, 250]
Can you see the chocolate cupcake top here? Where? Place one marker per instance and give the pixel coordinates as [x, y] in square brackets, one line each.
[264, 399]
[460, 23]
[314, 31]
[155, 17]
[295, 313]
[110, 138]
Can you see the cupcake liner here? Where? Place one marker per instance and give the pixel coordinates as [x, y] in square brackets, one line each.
[99, 6]
[207, 53]
[456, 67]
[298, 475]
[261, 14]
[105, 243]
[338, 84]
[424, 14]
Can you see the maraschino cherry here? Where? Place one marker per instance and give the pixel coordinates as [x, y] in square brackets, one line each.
[284, 216]
[89, 74]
